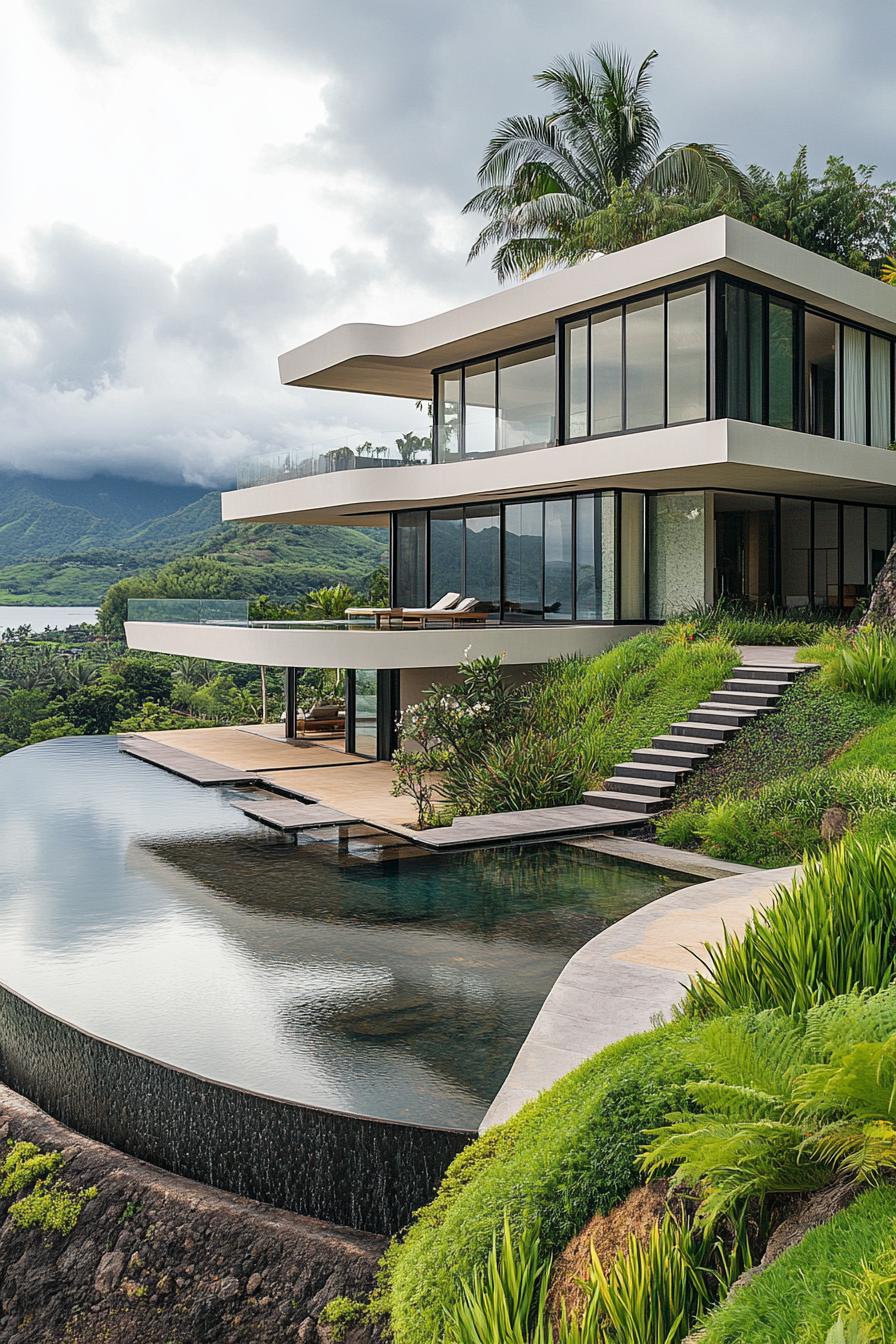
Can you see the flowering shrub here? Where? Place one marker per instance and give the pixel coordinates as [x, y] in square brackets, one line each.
[442, 740]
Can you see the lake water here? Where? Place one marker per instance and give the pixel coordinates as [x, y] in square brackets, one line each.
[153, 913]
[57, 618]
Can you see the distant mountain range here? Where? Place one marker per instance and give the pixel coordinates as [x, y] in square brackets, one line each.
[65, 542]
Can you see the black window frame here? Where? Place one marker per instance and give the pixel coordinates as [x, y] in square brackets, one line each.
[549, 342]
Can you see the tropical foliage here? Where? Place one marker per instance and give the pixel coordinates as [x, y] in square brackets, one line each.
[593, 174]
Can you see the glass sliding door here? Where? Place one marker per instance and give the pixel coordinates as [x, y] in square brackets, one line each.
[482, 550]
[744, 359]
[526, 397]
[480, 413]
[854, 428]
[524, 561]
[796, 543]
[409, 588]
[744, 528]
[644, 363]
[595, 557]
[363, 710]
[821, 388]
[606, 372]
[826, 554]
[686, 355]
[446, 550]
[558, 567]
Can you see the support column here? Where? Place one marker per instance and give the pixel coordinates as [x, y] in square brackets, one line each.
[292, 677]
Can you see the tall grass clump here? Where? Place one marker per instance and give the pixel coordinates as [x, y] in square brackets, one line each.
[832, 931]
[865, 664]
[743, 624]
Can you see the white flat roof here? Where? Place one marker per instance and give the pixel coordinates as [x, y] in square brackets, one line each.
[398, 360]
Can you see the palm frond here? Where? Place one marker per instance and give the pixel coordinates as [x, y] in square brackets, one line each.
[697, 170]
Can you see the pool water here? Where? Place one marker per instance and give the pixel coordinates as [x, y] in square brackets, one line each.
[151, 912]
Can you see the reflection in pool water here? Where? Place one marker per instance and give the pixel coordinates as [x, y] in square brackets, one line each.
[152, 913]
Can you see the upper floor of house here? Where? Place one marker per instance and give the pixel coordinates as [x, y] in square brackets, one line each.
[717, 355]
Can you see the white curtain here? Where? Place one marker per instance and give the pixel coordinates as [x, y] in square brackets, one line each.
[853, 385]
[880, 392]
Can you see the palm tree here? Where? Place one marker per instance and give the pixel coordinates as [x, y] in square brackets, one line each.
[592, 172]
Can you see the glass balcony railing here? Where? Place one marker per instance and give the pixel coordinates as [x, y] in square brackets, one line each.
[189, 610]
[295, 464]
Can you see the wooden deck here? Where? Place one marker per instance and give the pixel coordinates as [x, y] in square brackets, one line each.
[364, 791]
[252, 752]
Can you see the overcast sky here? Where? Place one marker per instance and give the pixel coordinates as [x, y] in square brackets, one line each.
[190, 187]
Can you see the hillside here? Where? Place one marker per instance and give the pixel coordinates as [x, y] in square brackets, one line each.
[67, 541]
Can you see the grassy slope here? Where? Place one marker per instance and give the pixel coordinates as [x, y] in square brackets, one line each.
[796, 1300]
[562, 1158]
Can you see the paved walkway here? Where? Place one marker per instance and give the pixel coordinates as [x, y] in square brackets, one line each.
[617, 983]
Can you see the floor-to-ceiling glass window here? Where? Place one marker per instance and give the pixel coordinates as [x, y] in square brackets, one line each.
[796, 545]
[675, 559]
[482, 577]
[880, 393]
[448, 413]
[744, 567]
[480, 394]
[878, 542]
[606, 372]
[782, 382]
[631, 556]
[558, 560]
[527, 394]
[853, 354]
[596, 556]
[446, 551]
[743, 353]
[826, 554]
[575, 363]
[644, 363]
[524, 561]
[821, 389]
[686, 355]
[854, 588]
[409, 588]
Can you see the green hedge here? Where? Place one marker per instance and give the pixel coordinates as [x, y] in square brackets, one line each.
[564, 1157]
[798, 1298]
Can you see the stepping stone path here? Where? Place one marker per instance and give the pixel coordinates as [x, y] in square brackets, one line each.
[645, 784]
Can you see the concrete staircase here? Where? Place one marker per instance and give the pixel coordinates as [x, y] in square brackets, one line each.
[645, 783]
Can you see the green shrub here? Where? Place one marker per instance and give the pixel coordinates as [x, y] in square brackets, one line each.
[529, 770]
[798, 1298]
[565, 1156]
[741, 624]
[830, 932]
[866, 664]
[24, 1164]
[782, 820]
[505, 1300]
[51, 1206]
[813, 721]
[340, 1314]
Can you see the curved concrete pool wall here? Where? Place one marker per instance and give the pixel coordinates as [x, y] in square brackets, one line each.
[345, 1169]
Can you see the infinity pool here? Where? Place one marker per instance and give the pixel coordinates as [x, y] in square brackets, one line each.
[150, 912]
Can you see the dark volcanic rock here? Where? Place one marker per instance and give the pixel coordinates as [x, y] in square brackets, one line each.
[158, 1258]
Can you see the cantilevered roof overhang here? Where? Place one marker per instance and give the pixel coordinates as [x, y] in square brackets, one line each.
[710, 455]
[398, 360]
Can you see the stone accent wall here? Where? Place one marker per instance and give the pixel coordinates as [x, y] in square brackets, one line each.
[165, 1260]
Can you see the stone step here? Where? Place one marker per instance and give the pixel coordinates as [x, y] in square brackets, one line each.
[770, 686]
[640, 770]
[727, 697]
[651, 787]
[754, 672]
[692, 728]
[623, 802]
[738, 707]
[677, 742]
[653, 756]
[734, 718]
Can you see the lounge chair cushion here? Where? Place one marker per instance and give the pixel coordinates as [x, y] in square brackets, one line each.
[324, 712]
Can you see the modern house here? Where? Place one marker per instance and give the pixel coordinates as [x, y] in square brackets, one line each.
[709, 414]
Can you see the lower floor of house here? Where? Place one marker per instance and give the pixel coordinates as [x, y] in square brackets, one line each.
[621, 555]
